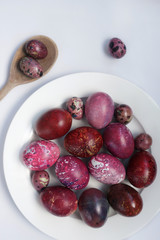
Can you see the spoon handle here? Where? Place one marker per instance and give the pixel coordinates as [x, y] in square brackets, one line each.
[5, 90]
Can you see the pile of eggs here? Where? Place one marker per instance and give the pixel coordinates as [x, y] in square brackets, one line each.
[29, 65]
[107, 128]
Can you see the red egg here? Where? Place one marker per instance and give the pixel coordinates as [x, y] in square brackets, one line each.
[59, 200]
[118, 140]
[142, 169]
[40, 155]
[125, 200]
[53, 124]
[83, 142]
[72, 172]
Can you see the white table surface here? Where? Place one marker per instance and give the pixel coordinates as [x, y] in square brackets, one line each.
[81, 30]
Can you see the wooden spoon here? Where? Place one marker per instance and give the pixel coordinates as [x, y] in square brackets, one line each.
[16, 77]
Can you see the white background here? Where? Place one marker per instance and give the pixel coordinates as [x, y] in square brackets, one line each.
[81, 30]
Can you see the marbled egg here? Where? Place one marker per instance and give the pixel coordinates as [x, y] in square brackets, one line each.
[40, 155]
[75, 107]
[72, 172]
[106, 168]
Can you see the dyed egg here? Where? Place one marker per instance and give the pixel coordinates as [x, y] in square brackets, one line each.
[59, 200]
[143, 141]
[72, 172]
[125, 200]
[40, 155]
[75, 107]
[99, 110]
[93, 207]
[30, 67]
[40, 179]
[142, 169]
[123, 113]
[118, 140]
[117, 48]
[36, 49]
[106, 168]
[53, 124]
[83, 142]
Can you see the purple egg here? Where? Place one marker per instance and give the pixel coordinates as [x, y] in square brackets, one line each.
[99, 110]
[72, 172]
[117, 48]
[106, 168]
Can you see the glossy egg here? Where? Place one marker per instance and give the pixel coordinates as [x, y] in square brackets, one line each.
[125, 200]
[72, 172]
[36, 49]
[53, 124]
[30, 67]
[59, 200]
[142, 169]
[99, 109]
[83, 142]
[106, 168]
[118, 140]
[40, 179]
[143, 141]
[93, 207]
[40, 155]
[75, 107]
[123, 113]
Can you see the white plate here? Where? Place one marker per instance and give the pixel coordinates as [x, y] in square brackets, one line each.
[54, 94]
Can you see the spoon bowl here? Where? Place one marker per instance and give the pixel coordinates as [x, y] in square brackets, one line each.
[17, 77]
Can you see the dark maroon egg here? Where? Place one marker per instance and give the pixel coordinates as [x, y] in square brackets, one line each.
[72, 172]
[99, 109]
[118, 140]
[83, 142]
[53, 124]
[142, 169]
[36, 49]
[93, 207]
[117, 48]
[30, 67]
[143, 141]
[40, 179]
[125, 200]
[123, 113]
[59, 200]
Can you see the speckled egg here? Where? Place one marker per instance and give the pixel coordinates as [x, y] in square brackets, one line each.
[40, 155]
[75, 107]
[30, 67]
[40, 179]
[72, 172]
[117, 48]
[36, 49]
[106, 168]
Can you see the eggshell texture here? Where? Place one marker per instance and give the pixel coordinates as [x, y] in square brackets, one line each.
[40, 179]
[142, 169]
[125, 200]
[83, 142]
[93, 207]
[30, 67]
[59, 200]
[40, 155]
[75, 107]
[118, 140]
[72, 172]
[117, 48]
[106, 168]
[36, 49]
[99, 110]
[53, 124]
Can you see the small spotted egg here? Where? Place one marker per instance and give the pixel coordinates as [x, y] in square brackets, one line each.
[75, 107]
[106, 168]
[30, 67]
[40, 179]
[40, 155]
[117, 48]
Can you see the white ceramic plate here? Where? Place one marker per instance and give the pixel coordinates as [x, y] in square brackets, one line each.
[20, 133]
